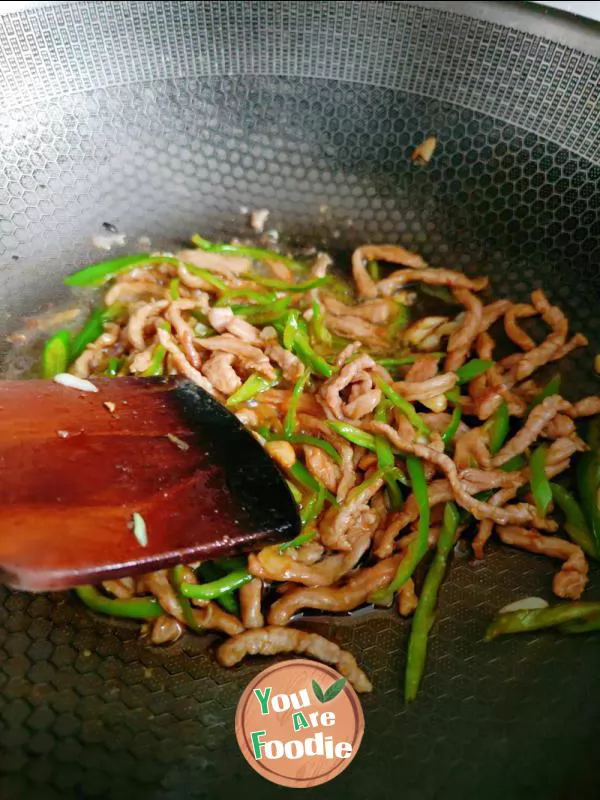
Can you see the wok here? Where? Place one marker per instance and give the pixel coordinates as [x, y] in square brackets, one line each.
[166, 118]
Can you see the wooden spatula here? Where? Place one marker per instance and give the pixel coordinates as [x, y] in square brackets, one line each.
[75, 467]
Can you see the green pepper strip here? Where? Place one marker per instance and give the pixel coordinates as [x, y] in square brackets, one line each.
[314, 441]
[588, 483]
[453, 425]
[353, 434]
[215, 589]
[535, 619]
[289, 422]
[386, 460]
[174, 288]
[304, 478]
[253, 385]
[405, 360]
[582, 625]
[575, 523]
[55, 357]
[231, 563]
[97, 274]
[318, 326]
[313, 507]
[155, 367]
[298, 541]
[418, 547]
[310, 358]
[256, 253]
[552, 387]
[105, 270]
[301, 438]
[498, 427]
[540, 485]
[473, 369]
[260, 298]
[296, 493]
[114, 367]
[94, 327]
[211, 571]
[440, 293]
[514, 463]
[425, 611]
[136, 608]
[286, 286]
[399, 322]
[263, 314]
[176, 579]
[290, 329]
[374, 270]
[404, 406]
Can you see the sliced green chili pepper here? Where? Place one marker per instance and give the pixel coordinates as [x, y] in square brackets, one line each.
[425, 611]
[155, 368]
[514, 463]
[314, 441]
[473, 369]
[575, 523]
[260, 298]
[318, 326]
[94, 327]
[211, 571]
[592, 623]
[291, 328]
[285, 286]
[552, 387]
[404, 406]
[55, 357]
[135, 608]
[100, 273]
[352, 434]
[289, 422]
[303, 476]
[440, 293]
[386, 460]
[296, 493]
[588, 483]
[256, 253]
[374, 270]
[405, 360]
[215, 589]
[418, 547]
[340, 288]
[174, 288]
[115, 365]
[399, 322]
[176, 579]
[312, 507]
[205, 274]
[535, 619]
[540, 485]
[298, 541]
[230, 563]
[498, 427]
[309, 357]
[453, 425]
[253, 385]
[265, 313]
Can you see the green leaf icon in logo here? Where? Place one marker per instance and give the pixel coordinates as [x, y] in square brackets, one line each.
[331, 693]
[318, 691]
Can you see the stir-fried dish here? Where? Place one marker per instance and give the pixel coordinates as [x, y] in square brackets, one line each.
[399, 433]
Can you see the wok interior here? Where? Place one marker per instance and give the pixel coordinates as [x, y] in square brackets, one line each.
[89, 709]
